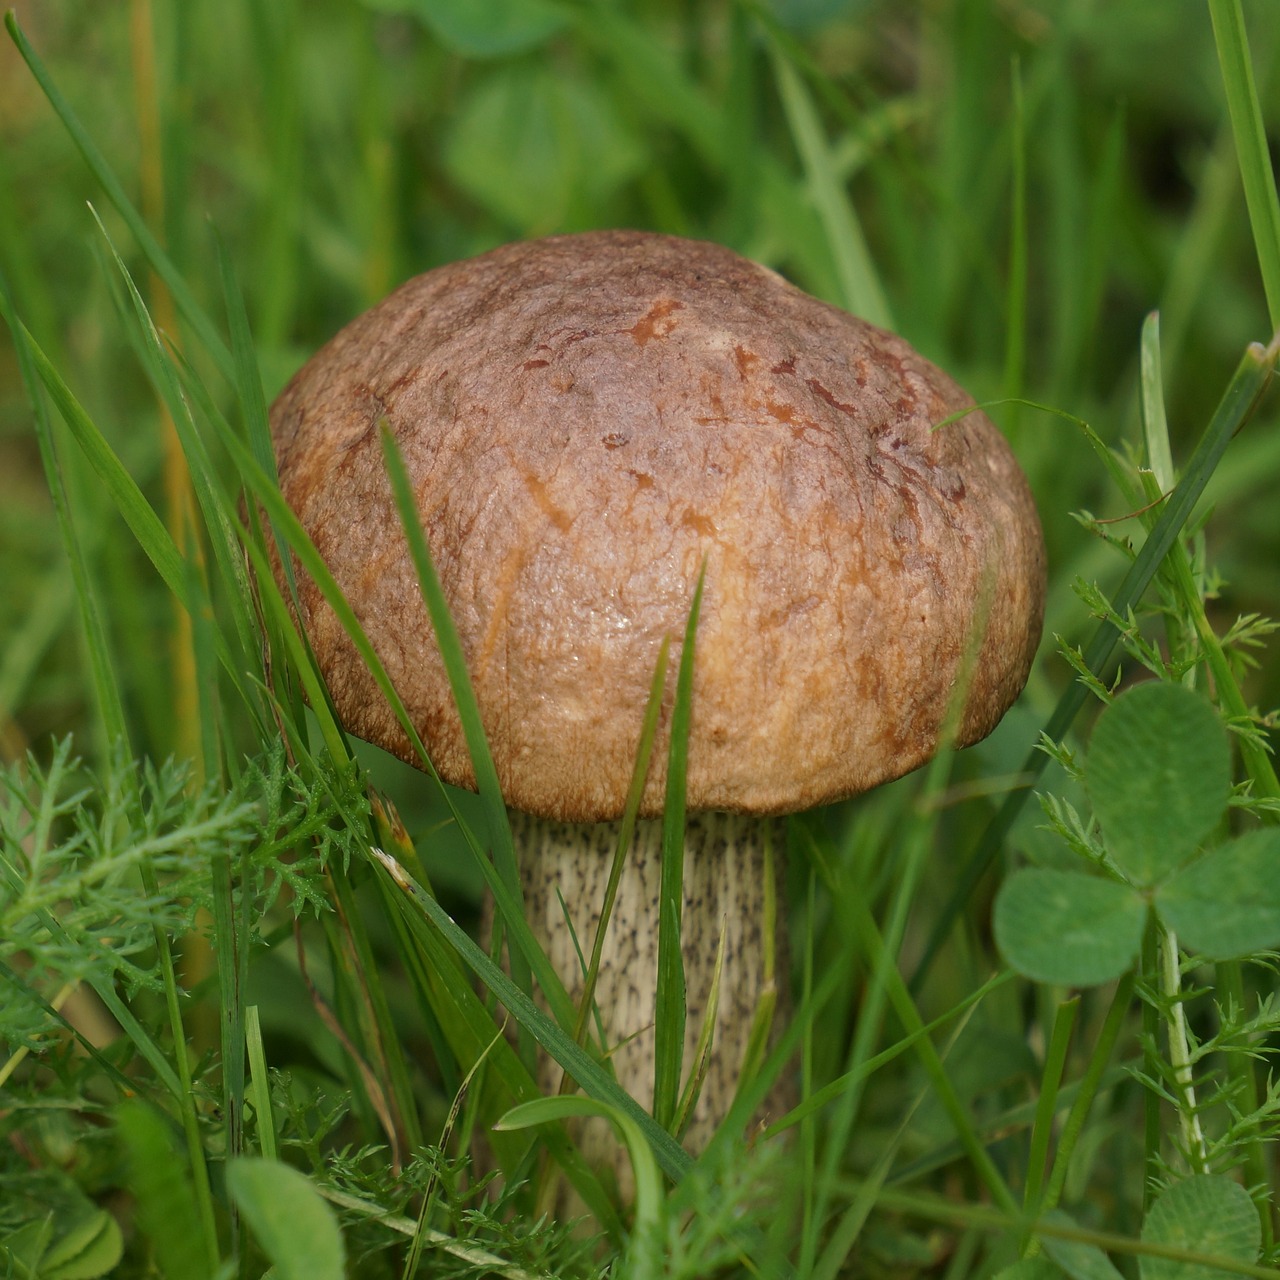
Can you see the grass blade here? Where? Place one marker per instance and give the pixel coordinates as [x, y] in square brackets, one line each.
[1088, 1090]
[147, 527]
[159, 261]
[215, 506]
[593, 1078]
[1251, 145]
[869, 1066]
[260, 1084]
[860, 290]
[657, 83]
[106, 689]
[1180, 576]
[645, 1252]
[626, 832]
[112, 713]
[930, 1059]
[669, 1007]
[253, 403]
[701, 1059]
[503, 875]
[1055, 1060]
[1155, 426]
[1015, 353]
[265, 491]
[455, 664]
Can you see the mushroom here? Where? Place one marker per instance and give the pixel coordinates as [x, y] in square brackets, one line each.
[587, 420]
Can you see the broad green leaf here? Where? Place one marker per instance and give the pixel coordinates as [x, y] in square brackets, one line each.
[1077, 930]
[1080, 1261]
[489, 29]
[1227, 904]
[1207, 1215]
[161, 1183]
[92, 1248]
[539, 150]
[1159, 774]
[1037, 1268]
[89, 1247]
[289, 1219]
[808, 15]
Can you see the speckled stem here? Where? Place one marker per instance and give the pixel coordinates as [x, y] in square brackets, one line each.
[724, 873]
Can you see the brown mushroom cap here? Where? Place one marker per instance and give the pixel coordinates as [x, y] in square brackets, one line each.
[585, 419]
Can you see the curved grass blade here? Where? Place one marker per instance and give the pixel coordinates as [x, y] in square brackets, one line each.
[214, 504]
[644, 1254]
[1089, 1086]
[1155, 424]
[159, 261]
[147, 528]
[106, 688]
[869, 1066]
[253, 402]
[111, 710]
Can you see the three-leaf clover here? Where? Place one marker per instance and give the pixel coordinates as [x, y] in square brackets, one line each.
[1158, 774]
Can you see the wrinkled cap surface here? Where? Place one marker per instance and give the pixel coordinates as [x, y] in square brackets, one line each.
[586, 420]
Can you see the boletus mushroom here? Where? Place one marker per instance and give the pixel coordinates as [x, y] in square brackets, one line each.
[586, 421]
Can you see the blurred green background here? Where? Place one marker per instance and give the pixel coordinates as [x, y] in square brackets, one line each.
[1011, 185]
[1014, 185]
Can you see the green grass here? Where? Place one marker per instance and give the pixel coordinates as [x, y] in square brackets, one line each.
[207, 977]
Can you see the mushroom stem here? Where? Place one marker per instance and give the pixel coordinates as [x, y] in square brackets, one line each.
[728, 861]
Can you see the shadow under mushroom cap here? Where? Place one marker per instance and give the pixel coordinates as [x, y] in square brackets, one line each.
[586, 420]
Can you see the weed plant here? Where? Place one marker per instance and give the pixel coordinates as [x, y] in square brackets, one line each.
[245, 1024]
